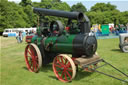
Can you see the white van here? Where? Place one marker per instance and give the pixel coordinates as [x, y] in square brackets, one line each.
[13, 32]
[9, 32]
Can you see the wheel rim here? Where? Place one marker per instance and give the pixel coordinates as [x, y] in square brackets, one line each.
[32, 58]
[64, 68]
[125, 48]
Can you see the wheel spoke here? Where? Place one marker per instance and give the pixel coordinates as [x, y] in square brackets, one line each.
[33, 53]
[31, 49]
[36, 59]
[29, 52]
[59, 62]
[58, 71]
[61, 59]
[65, 76]
[58, 66]
[68, 65]
[65, 61]
[68, 74]
[33, 67]
[69, 70]
[62, 74]
[31, 64]
[37, 64]
[33, 59]
[29, 56]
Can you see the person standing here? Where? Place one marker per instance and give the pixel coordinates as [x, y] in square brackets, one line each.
[27, 32]
[127, 27]
[20, 37]
[117, 30]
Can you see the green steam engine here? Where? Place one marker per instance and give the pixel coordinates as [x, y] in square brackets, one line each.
[53, 43]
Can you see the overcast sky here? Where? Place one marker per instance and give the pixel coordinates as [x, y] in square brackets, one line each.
[122, 5]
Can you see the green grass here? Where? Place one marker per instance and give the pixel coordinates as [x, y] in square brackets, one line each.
[14, 72]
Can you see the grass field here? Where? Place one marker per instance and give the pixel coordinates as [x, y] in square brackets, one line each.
[14, 72]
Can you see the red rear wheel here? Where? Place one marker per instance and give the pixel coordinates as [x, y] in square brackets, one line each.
[33, 58]
[64, 68]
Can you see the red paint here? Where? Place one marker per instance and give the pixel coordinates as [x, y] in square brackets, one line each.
[67, 29]
[31, 59]
[29, 38]
[62, 69]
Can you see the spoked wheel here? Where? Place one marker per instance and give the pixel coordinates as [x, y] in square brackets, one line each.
[64, 68]
[33, 58]
[88, 69]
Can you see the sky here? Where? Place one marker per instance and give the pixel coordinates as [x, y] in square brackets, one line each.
[122, 5]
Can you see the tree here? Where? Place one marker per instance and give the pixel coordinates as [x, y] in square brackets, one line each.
[12, 15]
[32, 19]
[124, 17]
[56, 0]
[96, 17]
[102, 13]
[27, 7]
[103, 7]
[79, 7]
[25, 2]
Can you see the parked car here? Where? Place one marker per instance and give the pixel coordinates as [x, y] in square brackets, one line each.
[123, 42]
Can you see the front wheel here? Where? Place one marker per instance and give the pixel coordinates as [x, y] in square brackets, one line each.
[125, 48]
[64, 68]
[33, 58]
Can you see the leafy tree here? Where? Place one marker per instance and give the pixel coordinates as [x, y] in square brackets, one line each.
[12, 15]
[96, 17]
[103, 7]
[25, 2]
[46, 4]
[124, 17]
[31, 21]
[27, 7]
[105, 13]
[79, 7]
[56, 0]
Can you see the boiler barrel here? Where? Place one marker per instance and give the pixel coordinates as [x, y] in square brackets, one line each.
[73, 44]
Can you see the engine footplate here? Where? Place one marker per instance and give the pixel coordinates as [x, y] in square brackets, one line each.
[83, 61]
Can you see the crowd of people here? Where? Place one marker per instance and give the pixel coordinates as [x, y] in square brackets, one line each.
[19, 35]
[111, 29]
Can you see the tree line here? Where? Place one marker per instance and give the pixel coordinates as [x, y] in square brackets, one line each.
[16, 15]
